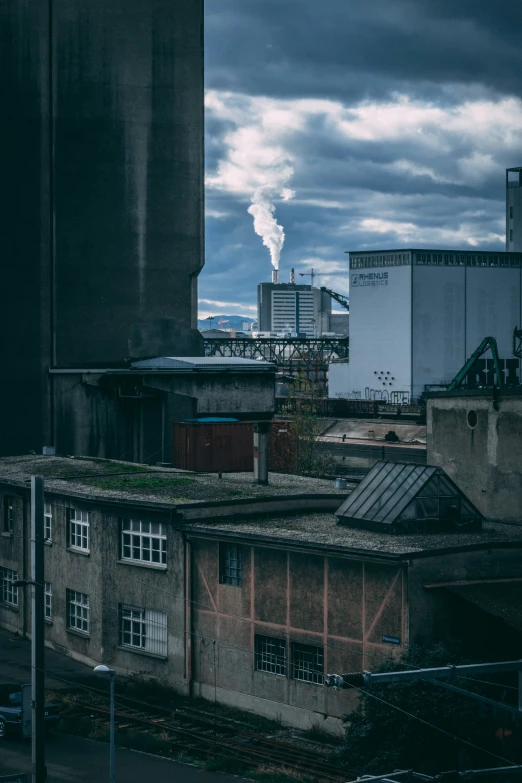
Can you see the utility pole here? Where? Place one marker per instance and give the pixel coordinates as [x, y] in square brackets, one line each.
[437, 675]
[37, 630]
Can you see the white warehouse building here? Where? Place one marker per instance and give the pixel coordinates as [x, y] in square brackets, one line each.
[417, 315]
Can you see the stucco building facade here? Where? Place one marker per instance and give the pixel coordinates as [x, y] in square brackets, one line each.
[239, 593]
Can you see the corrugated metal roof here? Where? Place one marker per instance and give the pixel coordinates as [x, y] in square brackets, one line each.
[389, 487]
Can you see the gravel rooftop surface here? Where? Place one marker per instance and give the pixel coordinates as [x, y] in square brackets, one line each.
[84, 477]
[323, 529]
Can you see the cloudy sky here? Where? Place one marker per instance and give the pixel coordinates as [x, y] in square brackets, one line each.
[380, 124]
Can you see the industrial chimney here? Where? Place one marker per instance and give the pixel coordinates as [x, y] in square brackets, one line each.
[292, 276]
[261, 433]
[275, 275]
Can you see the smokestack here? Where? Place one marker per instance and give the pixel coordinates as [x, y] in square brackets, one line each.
[275, 276]
[292, 276]
[261, 431]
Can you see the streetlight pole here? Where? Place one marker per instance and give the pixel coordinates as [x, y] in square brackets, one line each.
[102, 669]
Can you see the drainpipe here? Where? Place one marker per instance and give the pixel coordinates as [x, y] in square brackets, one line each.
[261, 430]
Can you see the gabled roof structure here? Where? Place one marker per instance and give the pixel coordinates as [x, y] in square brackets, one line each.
[399, 497]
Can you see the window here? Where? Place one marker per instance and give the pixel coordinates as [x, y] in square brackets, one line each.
[48, 522]
[48, 594]
[77, 611]
[270, 655]
[144, 542]
[510, 234]
[143, 629]
[79, 529]
[511, 213]
[8, 514]
[307, 663]
[230, 565]
[9, 592]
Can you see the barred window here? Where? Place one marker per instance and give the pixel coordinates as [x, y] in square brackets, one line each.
[48, 596]
[48, 522]
[144, 542]
[77, 611]
[8, 513]
[9, 591]
[143, 629]
[270, 655]
[307, 663]
[79, 529]
[231, 564]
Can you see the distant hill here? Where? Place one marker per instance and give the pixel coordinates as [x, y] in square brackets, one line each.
[227, 322]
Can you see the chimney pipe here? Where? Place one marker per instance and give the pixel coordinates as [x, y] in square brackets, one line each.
[261, 431]
[292, 276]
[275, 276]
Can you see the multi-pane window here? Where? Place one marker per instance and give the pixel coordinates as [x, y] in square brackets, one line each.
[79, 529]
[307, 663]
[48, 522]
[144, 542]
[230, 564]
[77, 611]
[143, 629]
[9, 591]
[8, 514]
[48, 596]
[270, 654]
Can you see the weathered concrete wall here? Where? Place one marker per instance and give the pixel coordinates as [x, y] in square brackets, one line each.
[344, 606]
[108, 581]
[14, 555]
[130, 416]
[485, 460]
[102, 210]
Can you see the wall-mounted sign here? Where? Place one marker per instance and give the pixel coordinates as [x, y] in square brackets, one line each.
[369, 279]
[391, 639]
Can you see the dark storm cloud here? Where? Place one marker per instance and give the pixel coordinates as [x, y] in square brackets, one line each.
[352, 49]
[397, 119]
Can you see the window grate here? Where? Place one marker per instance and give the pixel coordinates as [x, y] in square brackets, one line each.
[270, 655]
[9, 591]
[77, 611]
[231, 564]
[143, 629]
[79, 530]
[308, 663]
[144, 542]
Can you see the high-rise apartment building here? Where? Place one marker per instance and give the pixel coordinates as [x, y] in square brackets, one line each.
[296, 309]
[514, 210]
[102, 184]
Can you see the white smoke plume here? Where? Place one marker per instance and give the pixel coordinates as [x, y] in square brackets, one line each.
[265, 225]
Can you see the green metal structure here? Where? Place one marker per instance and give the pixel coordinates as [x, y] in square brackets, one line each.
[487, 342]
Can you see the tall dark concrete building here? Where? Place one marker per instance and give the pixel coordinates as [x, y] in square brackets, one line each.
[102, 193]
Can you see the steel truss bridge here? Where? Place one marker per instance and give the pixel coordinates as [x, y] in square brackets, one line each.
[294, 356]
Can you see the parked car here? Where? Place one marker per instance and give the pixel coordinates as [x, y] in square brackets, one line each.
[11, 711]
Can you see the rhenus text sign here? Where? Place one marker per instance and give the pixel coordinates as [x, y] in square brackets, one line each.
[369, 279]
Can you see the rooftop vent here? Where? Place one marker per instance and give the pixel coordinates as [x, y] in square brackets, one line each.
[396, 497]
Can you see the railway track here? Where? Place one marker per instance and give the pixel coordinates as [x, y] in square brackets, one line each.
[203, 736]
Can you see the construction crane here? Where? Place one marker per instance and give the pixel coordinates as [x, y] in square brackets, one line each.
[487, 342]
[340, 298]
[517, 342]
[312, 275]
